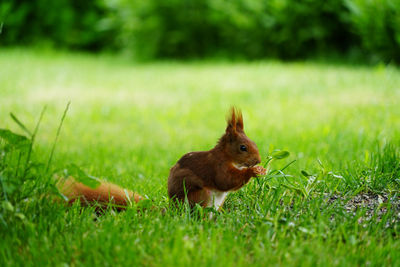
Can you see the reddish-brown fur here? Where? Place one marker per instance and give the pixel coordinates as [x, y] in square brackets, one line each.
[196, 174]
[104, 194]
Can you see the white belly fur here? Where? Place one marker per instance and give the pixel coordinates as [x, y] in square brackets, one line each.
[217, 199]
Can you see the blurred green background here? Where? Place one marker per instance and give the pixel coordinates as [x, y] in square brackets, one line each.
[360, 30]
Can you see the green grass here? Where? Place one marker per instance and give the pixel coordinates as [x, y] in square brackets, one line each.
[129, 123]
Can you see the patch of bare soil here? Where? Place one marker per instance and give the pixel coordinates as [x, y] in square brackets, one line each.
[375, 205]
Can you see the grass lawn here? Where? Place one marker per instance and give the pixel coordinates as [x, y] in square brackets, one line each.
[129, 123]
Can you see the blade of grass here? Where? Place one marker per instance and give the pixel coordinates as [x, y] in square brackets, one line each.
[287, 165]
[18, 163]
[2, 185]
[20, 124]
[33, 136]
[57, 135]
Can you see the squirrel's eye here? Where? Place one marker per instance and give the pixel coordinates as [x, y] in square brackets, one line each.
[243, 148]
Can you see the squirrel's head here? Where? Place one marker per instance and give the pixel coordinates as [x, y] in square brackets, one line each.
[236, 145]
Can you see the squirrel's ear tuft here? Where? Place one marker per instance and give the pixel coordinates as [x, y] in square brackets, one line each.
[231, 121]
[239, 120]
[234, 120]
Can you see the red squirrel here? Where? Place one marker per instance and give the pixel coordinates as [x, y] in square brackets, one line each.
[206, 177]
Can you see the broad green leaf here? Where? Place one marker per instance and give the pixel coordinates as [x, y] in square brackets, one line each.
[20, 216]
[82, 177]
[8, 206]
[13, 139]
[280, 154]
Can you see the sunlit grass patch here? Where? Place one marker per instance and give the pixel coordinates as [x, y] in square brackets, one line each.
[129, 123]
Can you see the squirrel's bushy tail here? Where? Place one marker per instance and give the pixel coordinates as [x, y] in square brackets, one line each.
[104, 194]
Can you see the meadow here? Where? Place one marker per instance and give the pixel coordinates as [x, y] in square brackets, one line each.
[128, 123]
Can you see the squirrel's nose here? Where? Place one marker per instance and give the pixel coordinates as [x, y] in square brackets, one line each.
[256, 161]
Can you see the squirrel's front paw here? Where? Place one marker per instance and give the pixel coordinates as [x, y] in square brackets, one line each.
[258, 170]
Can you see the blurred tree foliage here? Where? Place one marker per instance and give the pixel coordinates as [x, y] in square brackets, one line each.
[72, 24]
[377, 24]
[250, 29]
